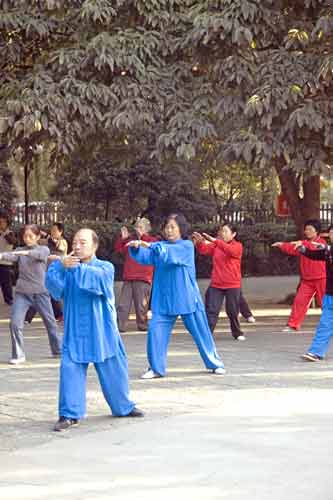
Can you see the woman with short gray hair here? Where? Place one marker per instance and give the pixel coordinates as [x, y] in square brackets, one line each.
[137, 279]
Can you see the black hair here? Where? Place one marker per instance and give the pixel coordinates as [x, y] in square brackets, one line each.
[181, 222]
[330, 228]
[60, 226]
[95, 238]
[33, 228]
[230, 225]
[5, 215]
[314, 223]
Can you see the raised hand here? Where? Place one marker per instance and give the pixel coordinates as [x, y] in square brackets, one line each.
[133, 243]
[297, 244]
[138, 243]
[124, 232]
[197, 237]
[70, 260]
[144, 244]
[208, 237]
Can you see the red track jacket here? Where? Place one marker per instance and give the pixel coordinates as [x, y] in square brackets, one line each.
[227, 257]
[309, 269]
[132, 270]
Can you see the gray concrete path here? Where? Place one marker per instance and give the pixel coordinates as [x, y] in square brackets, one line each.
[262, 431]
[258, 290]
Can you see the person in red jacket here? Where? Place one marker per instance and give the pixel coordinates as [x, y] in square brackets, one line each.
[137, 279]
[226, 275]
[313, 275]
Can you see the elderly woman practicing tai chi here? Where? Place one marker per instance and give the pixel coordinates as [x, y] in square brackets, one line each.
[175, 293]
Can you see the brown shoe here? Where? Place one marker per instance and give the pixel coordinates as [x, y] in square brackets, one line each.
[135, 413]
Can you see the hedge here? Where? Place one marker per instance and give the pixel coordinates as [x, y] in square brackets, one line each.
[259, 258]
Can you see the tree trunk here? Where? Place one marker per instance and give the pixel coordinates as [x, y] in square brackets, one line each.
[302, 208]
[26, 193]
[107, 209]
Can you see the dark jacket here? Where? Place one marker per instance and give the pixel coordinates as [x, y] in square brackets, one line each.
[324, 254]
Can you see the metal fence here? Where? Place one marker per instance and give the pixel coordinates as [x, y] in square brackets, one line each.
[42, 214]
[257, 215]
[45, 214]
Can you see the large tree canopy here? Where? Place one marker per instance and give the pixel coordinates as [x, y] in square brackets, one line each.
[266, 67]
[167, 83]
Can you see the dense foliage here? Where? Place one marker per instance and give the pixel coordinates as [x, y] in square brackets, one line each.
[136, 99]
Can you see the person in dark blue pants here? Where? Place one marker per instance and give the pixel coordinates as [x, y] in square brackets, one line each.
[90, 332]
[175, 293]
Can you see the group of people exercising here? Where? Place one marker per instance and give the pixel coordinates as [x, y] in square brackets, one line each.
[159, 272]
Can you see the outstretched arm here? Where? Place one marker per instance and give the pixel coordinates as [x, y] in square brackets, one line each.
[232, 249]
[40, 253]
[320, 254]
[178, 253]
[141, 252]
[10, 256]
[287, 248]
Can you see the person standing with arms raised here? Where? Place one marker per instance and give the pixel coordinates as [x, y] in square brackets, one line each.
[226, 277]
[137, 279]
[175, 293]
[324, 332]
[30, 292]
[313, 274]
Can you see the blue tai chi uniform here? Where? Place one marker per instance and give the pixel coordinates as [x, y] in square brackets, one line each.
[91, 336]
[175, 293]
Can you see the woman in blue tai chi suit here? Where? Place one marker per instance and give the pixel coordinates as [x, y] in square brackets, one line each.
[175, 293]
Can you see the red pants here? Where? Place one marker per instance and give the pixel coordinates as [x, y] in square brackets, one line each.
[305, 293]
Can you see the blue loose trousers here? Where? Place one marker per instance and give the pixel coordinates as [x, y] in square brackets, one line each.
[324, 330]
[159, 332]
[113, 377]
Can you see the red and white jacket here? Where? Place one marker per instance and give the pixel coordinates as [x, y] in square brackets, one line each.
[309, 269]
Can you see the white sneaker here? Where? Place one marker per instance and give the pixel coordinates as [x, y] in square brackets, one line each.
[241, 337]
[17, 361]
[251, 319]
[289, 329]
[219, 371]
[150, 374]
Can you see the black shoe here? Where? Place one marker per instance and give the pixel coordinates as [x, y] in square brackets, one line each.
[65, 423]
[135, 413]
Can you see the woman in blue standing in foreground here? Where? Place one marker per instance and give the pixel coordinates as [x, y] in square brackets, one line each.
[175, 293]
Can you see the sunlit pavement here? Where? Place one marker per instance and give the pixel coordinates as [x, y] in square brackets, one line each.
[262, 431]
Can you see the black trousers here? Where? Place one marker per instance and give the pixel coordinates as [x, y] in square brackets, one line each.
[214, 301]
[244, 307]
[6, 282]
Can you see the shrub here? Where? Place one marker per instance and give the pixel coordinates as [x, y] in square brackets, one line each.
[259, 258]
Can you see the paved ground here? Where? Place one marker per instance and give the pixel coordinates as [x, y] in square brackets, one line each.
[262, 431]
[258, 290]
